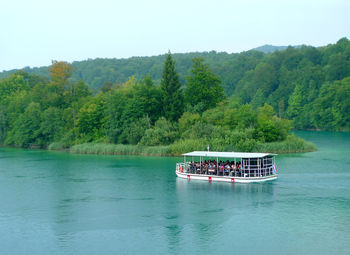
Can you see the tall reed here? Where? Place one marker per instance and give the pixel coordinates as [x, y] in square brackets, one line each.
[292, 144]
[120, 149]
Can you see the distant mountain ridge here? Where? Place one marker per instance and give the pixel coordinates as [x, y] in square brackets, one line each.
[119, 70]
[96, 72]
[268, 48]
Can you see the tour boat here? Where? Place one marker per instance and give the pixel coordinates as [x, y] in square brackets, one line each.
[228, 166]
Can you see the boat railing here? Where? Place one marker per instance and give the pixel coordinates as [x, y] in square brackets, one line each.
[183, 167]
[247, 171]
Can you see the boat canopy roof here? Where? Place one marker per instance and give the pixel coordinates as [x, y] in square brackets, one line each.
[218, 154]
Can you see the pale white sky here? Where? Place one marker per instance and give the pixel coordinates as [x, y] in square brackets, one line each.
[34, 32]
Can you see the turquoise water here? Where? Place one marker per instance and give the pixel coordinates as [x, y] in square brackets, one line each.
[57, 203]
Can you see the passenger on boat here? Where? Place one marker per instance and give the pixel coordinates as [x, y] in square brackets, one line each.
[227, 169]
[205, 168]
[212, 169]
[192, 167]
[221, 169]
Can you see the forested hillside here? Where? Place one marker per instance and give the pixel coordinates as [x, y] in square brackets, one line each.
[137, 115]
[308, 85]
[97, 72]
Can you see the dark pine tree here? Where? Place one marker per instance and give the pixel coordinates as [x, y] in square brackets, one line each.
[173, 101]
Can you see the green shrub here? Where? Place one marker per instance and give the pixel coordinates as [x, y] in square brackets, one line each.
[163, 133]
[292, 144]
[56, 146]
[135, 131]
[187, 120]
[199, 130]
[183, 146]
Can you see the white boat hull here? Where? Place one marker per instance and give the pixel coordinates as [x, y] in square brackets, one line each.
[215, 178]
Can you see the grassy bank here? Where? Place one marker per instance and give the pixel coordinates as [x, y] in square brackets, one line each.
[292, 144]
[120, 149]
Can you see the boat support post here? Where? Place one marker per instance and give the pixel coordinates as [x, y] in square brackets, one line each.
[217, 166]
[184, 163]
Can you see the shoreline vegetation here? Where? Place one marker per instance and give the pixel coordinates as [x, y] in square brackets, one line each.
[292, 144]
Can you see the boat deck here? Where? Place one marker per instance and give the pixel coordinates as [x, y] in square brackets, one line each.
[216, 178]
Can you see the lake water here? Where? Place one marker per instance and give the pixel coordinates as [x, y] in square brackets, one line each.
[57, 203]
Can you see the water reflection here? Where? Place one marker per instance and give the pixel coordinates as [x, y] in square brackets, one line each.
[184, 186]
[206, 208]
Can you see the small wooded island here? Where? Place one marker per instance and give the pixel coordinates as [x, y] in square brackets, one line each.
[171, 116]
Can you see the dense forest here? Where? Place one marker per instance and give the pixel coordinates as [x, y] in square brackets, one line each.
[307, 85]
[182, 102]
[169, 118]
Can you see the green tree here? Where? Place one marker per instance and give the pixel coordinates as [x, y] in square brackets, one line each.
[147, 99]
[259, 99]
[135, 131]
[51, 126]
[338, 67]
[172, 97]
[79, 90]
[164, 132]
[3, 123]
[245, 117]
[203, 86]
[270, 128]
[215, 115]
[127, 105]
[90, 120]
[12, 84]
[295, 102]
[187, 120]
[116, 103]
[26, 129]
[281, 108]
[331, 110]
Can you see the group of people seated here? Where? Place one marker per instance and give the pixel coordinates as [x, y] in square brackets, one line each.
[221, 168]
